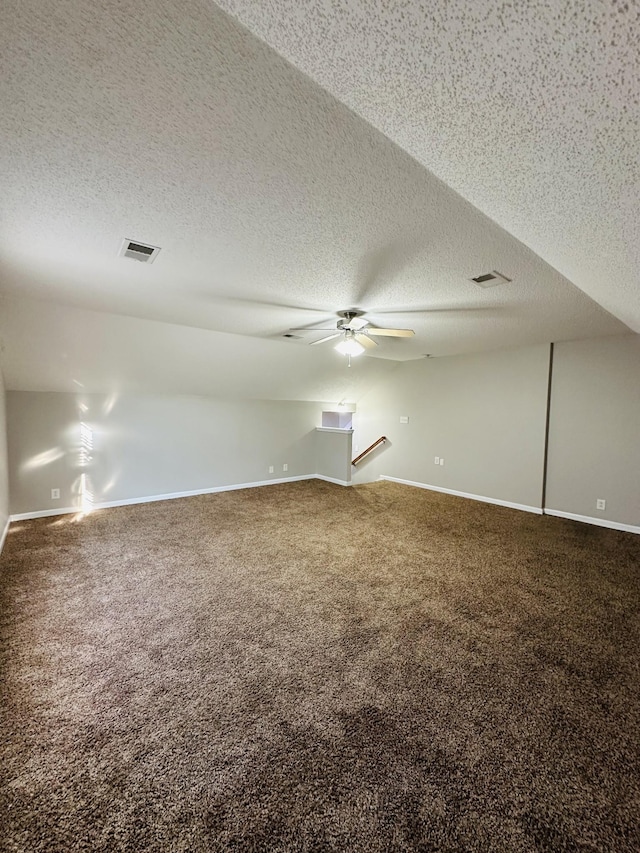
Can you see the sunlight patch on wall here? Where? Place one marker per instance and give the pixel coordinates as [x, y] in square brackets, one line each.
[86, 444]
[86, 495]
[111, 482]
[83, 487]
[83, 490]
[109, 403]
[42, 459]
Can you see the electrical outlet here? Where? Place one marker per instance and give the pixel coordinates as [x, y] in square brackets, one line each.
[436, 460]
[285, 467]
[404, 419]
[601, 503]
[55, 494]
[442, 460]
[271, 469]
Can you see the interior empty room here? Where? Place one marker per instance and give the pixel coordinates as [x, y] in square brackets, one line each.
[319, 426]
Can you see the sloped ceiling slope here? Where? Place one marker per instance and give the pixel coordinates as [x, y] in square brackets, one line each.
[75, 350]
[274, 205]
[531, 111]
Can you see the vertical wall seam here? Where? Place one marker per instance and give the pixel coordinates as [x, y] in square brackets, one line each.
[546, 430]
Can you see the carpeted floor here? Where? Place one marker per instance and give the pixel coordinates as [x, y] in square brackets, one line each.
[305, 667]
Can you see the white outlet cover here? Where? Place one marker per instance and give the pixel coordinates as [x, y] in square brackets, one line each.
[271, 469]
[285, 467]
[55, 494]
[442, 460]
[436, 460]
[601, 503]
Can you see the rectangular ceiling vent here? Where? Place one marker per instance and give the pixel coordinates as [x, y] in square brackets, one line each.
[138, 251]
[491, 279]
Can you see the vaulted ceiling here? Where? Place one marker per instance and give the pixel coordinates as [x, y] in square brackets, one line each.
[294, 159]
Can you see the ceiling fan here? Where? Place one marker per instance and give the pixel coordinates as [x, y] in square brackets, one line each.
[356, 334]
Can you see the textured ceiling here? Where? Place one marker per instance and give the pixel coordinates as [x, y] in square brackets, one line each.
[274, 205]
[530, 110]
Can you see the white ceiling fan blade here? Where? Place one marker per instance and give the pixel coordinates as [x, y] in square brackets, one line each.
[358, 323]
[328, 338]
[365, 341]
[392, 333]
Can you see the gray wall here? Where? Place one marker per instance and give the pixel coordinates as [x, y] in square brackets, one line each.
[4, 464]
[485, 414]
[333, 454]
[594, 436]
[137, 446]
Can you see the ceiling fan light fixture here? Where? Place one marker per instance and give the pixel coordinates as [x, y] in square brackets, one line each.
[349, 347]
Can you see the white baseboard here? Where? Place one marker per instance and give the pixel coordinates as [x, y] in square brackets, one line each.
[3, 535]
[44, 513]
[600, 522]
[332, 479]
[588, 519]
[535, 509]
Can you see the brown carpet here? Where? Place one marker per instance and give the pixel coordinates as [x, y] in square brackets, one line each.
[311, 668]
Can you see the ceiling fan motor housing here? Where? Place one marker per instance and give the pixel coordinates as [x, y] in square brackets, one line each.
[347, 318]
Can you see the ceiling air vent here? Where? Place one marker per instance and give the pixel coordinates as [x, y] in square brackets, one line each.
[138, 251]
[491, 279]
